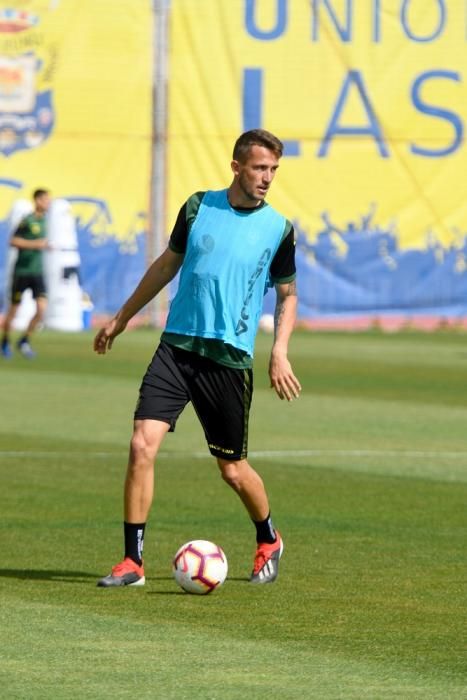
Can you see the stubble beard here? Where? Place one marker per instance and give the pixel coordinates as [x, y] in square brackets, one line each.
[249, 194]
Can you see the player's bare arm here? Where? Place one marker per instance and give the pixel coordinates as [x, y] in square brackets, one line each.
[158, 275]
[283, 380]
[25, 244]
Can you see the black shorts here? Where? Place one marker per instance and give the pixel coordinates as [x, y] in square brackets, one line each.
[22, 282]
[221, 397]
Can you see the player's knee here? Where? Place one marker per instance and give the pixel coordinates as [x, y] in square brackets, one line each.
[142, 451]
[41, 308]
[232, 473]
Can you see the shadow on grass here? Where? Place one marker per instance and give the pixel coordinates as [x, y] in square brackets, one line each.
[238, 578]
[48, 575]
[61, 576]
[242, 579]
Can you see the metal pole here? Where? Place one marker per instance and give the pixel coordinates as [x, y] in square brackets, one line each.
[157, 230]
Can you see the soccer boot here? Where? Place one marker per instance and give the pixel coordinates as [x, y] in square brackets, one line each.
[266, 564]
[6, 349]
[25, 349]
[127, 573]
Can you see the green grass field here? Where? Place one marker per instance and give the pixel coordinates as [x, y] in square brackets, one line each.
[367, 476]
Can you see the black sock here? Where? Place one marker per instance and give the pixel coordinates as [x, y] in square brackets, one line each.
[134, 540]
[265, 531]
[24, 339]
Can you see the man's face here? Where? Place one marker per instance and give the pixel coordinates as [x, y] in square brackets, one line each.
[42, 203]
[254, 175]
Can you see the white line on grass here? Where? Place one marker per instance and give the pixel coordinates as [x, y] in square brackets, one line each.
[272, 454]
[357, 453]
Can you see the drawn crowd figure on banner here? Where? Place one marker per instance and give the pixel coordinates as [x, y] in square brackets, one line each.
[110, 265]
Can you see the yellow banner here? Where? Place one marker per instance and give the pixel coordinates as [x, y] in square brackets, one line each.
[369, 96]
[75, 108]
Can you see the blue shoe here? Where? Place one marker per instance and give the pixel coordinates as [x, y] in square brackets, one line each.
[6, 349]
[25, 349]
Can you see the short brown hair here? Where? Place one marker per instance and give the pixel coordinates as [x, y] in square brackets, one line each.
[256, 137]
[39, 193]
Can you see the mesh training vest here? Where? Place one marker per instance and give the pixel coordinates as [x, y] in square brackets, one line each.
[225, 273]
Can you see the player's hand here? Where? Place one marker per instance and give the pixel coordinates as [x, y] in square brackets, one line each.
[283, 380]
[105, 337]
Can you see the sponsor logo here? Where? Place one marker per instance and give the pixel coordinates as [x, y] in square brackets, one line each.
[224, 450]
[139, 535]
[242, 325]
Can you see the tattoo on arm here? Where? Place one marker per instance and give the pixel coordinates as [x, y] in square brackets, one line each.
[290, 291]
[278, 313]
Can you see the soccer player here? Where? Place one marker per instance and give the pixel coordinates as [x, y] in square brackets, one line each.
[229, 245]
[30, 239]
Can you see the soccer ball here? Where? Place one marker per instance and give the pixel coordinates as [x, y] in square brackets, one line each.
[266, 323]
[200, 567]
